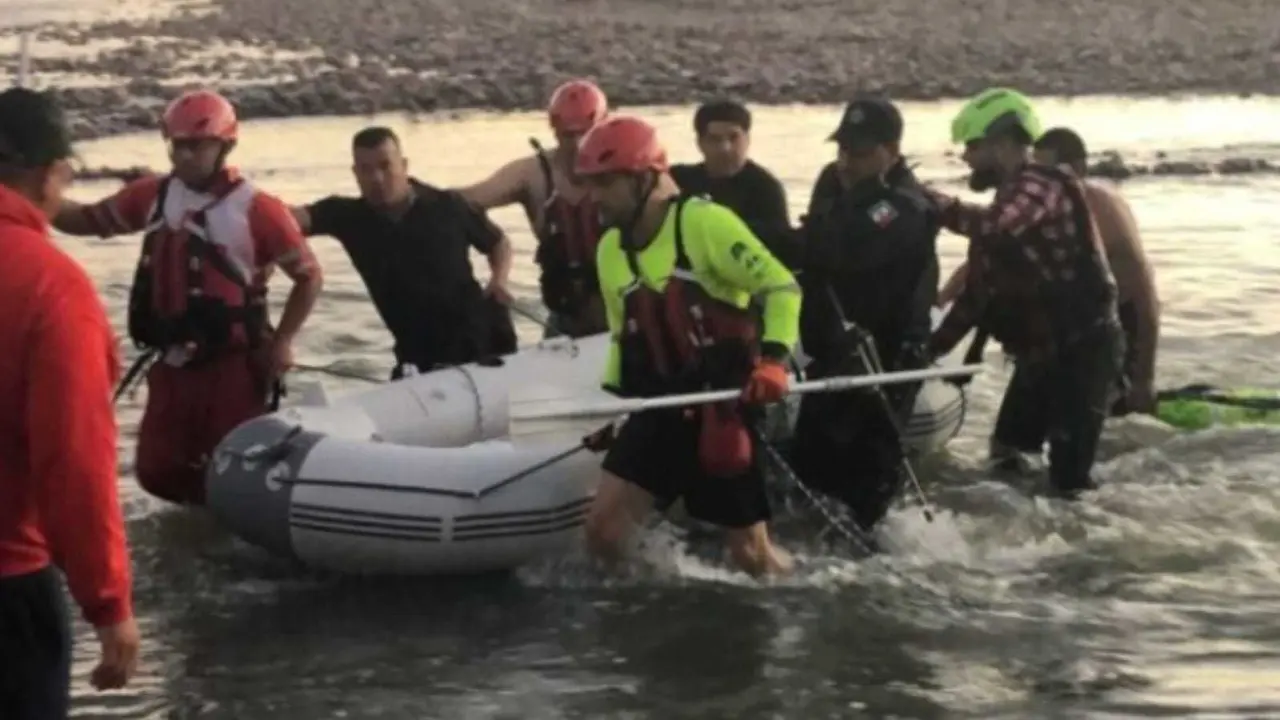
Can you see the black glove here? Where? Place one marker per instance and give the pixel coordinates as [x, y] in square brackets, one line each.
[600, 440]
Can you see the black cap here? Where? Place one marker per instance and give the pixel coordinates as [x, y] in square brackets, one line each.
[869, 120]
[33, 130]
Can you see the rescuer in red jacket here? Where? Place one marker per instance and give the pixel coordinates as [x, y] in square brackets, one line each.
[58, 502]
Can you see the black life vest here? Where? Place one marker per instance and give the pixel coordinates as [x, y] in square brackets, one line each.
[567, 244]
[186, 291]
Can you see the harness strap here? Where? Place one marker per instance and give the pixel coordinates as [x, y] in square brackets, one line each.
[541, 153]
[1086, 261]
[682, 267]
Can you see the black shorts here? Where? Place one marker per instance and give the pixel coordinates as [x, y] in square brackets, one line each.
[35, 647]
[658, 452]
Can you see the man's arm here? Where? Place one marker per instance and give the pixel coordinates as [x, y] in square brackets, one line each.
[71, 356]
[318, 218]
[1133, 273]
[773, 201]
[489, 240]
[1028, 203]
[279, 241]
[614, 312]
[772, 220]
[302, 216]
[500, 259]
[963, 316]
[954, 285]
[742, 261]
[120, 214]
[508, 186]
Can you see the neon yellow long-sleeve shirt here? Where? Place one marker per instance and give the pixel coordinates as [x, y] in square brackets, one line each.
[726, 259]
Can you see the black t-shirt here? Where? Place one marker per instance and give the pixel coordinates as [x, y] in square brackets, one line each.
[826, 190]
[418, 270]
[756, 196]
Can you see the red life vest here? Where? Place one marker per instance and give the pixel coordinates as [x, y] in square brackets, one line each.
[567, 244]
[186, 291]
[684, 340]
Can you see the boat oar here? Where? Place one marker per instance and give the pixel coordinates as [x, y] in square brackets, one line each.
[548, 414]
[337, 372]
[520, 308]
[870, 357]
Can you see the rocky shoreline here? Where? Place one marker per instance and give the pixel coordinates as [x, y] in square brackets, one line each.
[1111, 165]
[309, 57]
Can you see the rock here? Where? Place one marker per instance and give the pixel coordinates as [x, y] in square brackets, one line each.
[1183, 167]
[1111, 166]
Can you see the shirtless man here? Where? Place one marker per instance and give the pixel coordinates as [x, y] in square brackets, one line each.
[564, 219]
[1138, 301]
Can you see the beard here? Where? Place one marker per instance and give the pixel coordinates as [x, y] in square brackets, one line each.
[982, 179]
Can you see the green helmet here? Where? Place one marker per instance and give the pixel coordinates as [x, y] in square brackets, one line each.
[977, 117]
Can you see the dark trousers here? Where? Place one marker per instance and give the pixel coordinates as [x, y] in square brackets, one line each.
[847, 446]
[1064, 401]
[35, 647]
[485, 332]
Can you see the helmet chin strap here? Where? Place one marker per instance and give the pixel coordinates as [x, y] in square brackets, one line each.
[641, 189]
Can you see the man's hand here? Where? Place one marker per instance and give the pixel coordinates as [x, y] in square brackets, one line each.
[497, 290]
[120, 643]
[768, 383]
[281, 358]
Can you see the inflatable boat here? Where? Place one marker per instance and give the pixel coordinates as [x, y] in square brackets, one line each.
[416, 476]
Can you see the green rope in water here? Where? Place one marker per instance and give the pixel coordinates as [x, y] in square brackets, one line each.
[1197, 407]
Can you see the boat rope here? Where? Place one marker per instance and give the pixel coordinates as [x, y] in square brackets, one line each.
[849, 531]
[540, 465]
[475, 393]
[129, 384]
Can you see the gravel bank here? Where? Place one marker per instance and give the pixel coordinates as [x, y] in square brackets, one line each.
[303, 57]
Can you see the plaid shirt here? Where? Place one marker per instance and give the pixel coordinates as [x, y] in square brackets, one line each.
[1028, 237]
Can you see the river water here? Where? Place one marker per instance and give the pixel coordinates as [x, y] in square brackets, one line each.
[1157, 597]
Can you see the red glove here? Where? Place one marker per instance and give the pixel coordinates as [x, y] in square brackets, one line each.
[768, 382]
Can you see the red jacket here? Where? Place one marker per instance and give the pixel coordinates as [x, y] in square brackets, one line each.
[58, 496]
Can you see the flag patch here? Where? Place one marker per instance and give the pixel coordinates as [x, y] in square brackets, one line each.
[882, 213]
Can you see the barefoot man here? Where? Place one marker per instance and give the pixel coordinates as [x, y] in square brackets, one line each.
[565, 220]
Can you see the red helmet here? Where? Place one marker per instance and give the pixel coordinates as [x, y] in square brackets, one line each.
[200, 115]
[622, 144]
[576, 106]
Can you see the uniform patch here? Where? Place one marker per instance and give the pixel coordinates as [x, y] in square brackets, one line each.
[883, 213]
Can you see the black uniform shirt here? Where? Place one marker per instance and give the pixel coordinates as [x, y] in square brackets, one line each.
[874, 250]
[417, 269]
